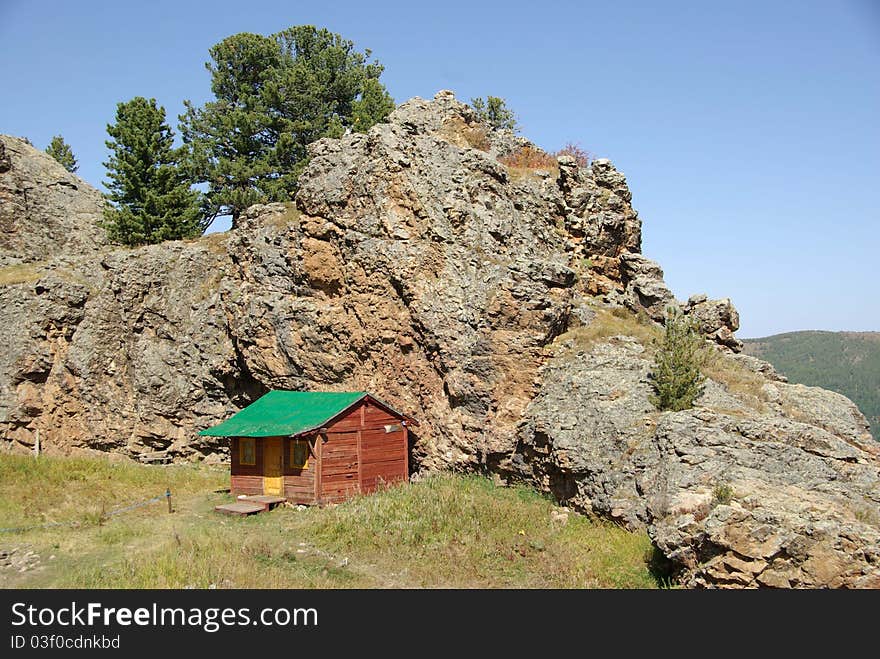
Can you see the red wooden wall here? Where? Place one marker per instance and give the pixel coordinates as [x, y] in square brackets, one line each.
[299, 484]
[246, 479]
[339, 465]
[358, 453]
[355, 454]
[383, 454]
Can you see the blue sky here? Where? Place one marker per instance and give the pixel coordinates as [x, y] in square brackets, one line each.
[748, 131]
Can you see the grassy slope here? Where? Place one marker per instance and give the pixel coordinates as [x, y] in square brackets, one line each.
[845, 362]
[446, 531]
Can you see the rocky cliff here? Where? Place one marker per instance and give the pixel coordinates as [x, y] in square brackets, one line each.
[508, 309]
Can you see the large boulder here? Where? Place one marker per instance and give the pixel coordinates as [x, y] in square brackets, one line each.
[413, 262]
[717, 319]
[645, 287]
[768, 501]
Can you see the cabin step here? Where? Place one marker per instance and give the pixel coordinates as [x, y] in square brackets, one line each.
[267, 500]
[250, 505]
[240, 508]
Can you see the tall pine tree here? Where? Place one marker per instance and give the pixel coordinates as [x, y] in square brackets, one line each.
[274, 95]
[61, 151]
[151, 198]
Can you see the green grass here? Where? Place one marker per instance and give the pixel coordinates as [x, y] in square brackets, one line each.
[460, 531]
[449, 531]
[48, 489]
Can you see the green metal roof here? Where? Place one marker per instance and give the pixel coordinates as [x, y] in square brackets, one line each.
[285, 413]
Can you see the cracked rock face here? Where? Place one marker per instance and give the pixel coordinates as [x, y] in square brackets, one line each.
[781, 490]
[470, 294]
[784, 502]
[412, 264]
[44, 209]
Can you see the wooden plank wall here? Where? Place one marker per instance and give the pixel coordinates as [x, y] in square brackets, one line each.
[246, 479]
[339, 466]
[299, 484]
[246, 484]
[383, 454]
[359, 454]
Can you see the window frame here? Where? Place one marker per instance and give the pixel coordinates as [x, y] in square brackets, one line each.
[247, 441]
[291, 453]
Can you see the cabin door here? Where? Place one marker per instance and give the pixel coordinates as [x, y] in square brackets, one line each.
[273, 480]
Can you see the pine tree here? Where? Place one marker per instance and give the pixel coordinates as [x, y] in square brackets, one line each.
[151, 199]
[372, 107]
[61, 151]
[494, 112]
[274, 95]
[676, 376]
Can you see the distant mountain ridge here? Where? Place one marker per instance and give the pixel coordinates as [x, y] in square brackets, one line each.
[845, 362]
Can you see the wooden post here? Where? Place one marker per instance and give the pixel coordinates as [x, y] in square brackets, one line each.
[37, 445]
[405, 452]
[319, 467]
[360, 487]
[168, 497]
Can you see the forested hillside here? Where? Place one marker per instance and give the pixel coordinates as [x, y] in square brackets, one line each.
[845, 362]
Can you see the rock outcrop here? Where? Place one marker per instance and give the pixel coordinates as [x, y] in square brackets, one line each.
[44, 209]
[717, 319]
[508, 309]
[740, 490]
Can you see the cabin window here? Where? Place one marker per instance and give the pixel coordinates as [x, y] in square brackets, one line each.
[247, 451]
[299, 453]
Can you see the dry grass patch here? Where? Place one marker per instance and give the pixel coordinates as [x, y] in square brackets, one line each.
[581, 156]
[57, 489]
[215, 242]
[290, 216]
[736, 379]
[867, 514]
[614, 321]
[456, 131]
[795, 413]
[527, 161]
[206, 550]
[20, 273]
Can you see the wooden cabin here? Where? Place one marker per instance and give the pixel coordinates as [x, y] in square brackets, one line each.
[315, 447]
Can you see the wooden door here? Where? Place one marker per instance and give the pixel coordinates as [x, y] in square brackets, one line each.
[273, 478]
